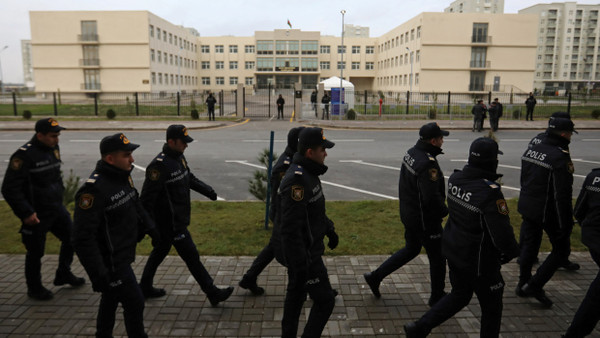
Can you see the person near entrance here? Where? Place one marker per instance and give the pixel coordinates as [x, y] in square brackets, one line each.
[280, 104]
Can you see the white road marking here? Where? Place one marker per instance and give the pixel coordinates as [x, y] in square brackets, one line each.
[591, 140]
[336, 140]
[19, 141]
[85, 141]
[585, 161]
[243, 162]
[519, 168]
[515, 140]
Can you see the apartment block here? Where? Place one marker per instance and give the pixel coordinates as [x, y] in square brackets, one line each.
[476, 6]
[28, 78]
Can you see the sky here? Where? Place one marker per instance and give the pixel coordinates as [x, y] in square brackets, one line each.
[229, 17]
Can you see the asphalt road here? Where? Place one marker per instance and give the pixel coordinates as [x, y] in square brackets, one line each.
[363, 165]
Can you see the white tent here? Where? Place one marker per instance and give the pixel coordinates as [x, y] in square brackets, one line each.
[334, 82]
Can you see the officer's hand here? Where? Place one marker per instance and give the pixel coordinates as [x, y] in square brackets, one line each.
[155, 235]
[212, 195]
[31, 220]
[333, 239]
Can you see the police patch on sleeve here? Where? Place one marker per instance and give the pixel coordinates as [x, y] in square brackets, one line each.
[16, 163]
[154, 175]
[297, 192]
[433, 174]
[130, 181]
[570, 167]
[502, 207]
[86, 201]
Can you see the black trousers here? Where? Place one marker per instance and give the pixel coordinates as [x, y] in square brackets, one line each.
[477, 123]
[529, 114]
[33, 237]
[317, 285]
[279, 111]
[416, 238]
[530, 240]
[488, 286]
[325, 113]
[211, 113]
[494, 123]
[187, 251]
[587, 316]
[264, 258]
[125, 290]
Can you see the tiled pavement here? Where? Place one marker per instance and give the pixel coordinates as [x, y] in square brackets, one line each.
[185, 311]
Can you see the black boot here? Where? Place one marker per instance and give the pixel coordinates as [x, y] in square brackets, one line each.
[67, 277]
[220, 295]
[251, 285]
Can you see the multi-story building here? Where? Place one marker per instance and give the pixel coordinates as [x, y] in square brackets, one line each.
[89, 52]
[476, 6]
[28, 78]
[568, 53]
[356, 31]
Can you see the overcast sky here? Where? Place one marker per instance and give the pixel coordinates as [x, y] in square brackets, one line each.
[228, 17]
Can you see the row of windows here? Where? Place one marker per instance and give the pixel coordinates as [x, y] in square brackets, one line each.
[400, 40]
[232, 65]
[398, 80]
[400, 60]
[221, 49]
[173, 39]
[355, 65]
[220, 80]
[158, 56]
[286, 47]
[173, 79]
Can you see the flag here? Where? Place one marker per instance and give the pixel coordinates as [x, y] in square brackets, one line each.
[289, 23]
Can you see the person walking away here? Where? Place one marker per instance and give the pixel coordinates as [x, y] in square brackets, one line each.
[495, 114]
[33, 188]
[478, 112]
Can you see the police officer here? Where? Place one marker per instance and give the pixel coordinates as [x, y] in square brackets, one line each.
[495, 114]
[300, 225]
[109, 221]
[267, 254]
[325, 101]
[478, 112]
[587, 213]
[545, 202]
[422, 207]
[166, 196]
[477, 239]
[34, 189]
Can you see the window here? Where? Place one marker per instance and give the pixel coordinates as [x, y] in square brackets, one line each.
[341, 49]
[287, 64]
[159, 56]
[171, 38]
[233, 80]
[206, 80]
[325, 49]
[89, 31]
[233, 48]
[418, 57]
[165, 55]
[159, 78]
[309, 64]
[153, 78]
[355, 49]
[324, 65]
[264, 64]
[233, 65]
[355, 65]
[152, 34]
[172, 81]
[264, 47]
[152, 54]
[341, 65]
[219, 65]
[418, 32]
[480, 32]
[249, 48]
[171, 59]
[417, 78]
[220, 80]
[249, 81]
[205, 64]
[478, 57]
[164, 36]
[370, 49]
[249, 65]
[205, 49]
[412, 34]
[369, 65]
[158, 34]
[310, 47]
[219, 49]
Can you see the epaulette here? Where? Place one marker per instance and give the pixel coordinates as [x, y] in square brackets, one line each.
[564, 151]
[25, 147]
[160, 157]
[431, 158]
[299, 170]
[492, 184]
[92, 179]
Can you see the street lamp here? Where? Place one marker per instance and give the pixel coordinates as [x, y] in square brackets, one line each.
[343, 11]
[2, 76]
[410, 81]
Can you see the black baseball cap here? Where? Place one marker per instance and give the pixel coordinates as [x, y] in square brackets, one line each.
[313, 137]
[116, 142]
[432, 130]
[484, 149]
[178, 131]
[292, 141]
[48, 125]
[562, 114]
[561, 124]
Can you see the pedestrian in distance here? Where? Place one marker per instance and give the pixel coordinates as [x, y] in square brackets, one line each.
[109, 221]
[166, 197]
[422, 195]
[301, 224]
[267, 254]
[280, 103]
[530, 103]
[478, 112]
[587, 213]
[210, 105]
[545, 203]
[33, 188]
[313, 101]
[325, 101]
[495, 114]
[478, 238]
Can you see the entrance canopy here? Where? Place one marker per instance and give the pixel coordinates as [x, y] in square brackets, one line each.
[334, 82]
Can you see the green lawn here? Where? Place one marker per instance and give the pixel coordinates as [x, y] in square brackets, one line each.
[237, 229]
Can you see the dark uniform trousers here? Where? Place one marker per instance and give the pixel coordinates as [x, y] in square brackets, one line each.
[264, 258]
[587, 315]
[125, 290]
[317, 285]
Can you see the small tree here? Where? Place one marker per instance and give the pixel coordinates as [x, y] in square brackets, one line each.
[71, 187]
[26, 114]
[258, 185]
[110, 114]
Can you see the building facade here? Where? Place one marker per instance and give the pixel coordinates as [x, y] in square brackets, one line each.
[568, 54]
[28, 78]
[476, 6]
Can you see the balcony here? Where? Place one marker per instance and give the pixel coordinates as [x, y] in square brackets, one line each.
[87, 38]
[89, 63]
[481, 39]
[91, 86]
[479, 64]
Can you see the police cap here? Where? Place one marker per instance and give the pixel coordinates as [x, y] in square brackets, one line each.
[178, 131]
[48, 125]
[292, 141]
[116, 142]
[432, 130]
[561, 124]
[483, 149]
[313, 137]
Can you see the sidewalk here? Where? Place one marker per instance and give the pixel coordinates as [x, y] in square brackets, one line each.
[185, 311]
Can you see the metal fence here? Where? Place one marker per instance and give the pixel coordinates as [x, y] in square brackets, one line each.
[261, 102]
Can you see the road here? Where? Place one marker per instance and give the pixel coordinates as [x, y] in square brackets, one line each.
[363, 165]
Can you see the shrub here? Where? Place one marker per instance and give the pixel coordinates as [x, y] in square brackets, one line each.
[194, 114]
[351, 114]
[71, 187]
[26, 114]
[111, 114]
[432, 113]
[516, 114]
[596, 113]
[258, 185]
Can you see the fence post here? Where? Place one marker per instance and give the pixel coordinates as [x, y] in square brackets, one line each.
[55, 107]
[96, 104]
[243, 101]
[569, 104]
[221, 107]
[407, 100]
[366, 97]
[137, 106]
[489, 98]
[14, 96]
[269, 103]
[178, 104]
[448, 111]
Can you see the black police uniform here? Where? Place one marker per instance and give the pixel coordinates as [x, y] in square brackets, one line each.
[422, 194]
[33, 184]
[280, 103]
[325, 101]
[587, 213]
[495, 114]
[478, 112]
[109, 221]
[210, 104]
[545, 204]
[166, 196]
[299, 229]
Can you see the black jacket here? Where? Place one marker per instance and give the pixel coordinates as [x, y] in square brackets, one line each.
[33, 182]
[421, 187]
[325, 100]
[280, 101]
[587, 211]
[478, 235]
[479, 110]
[495, 111]
[109, 221]
[283, 163]
[530, 102]
[547, 182]
[301, 222]
[210, 102]
[166, 190]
